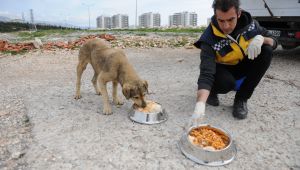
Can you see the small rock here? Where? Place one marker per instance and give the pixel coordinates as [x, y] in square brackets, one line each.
[37, 43]
[17, 155]
[2, 113]
[189, 47]
[180, 60]
[298, 142]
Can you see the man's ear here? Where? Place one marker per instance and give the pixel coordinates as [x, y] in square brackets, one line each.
[145, 84]
[126, 90]
[239, 13]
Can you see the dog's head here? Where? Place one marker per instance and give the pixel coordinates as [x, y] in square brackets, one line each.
[136, 91]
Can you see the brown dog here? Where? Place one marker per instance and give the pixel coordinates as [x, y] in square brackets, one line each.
[110, 64]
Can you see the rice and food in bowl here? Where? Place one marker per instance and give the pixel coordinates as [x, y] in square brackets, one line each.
[152, 107]
[208, 145]
[153, 113]
[208, 138]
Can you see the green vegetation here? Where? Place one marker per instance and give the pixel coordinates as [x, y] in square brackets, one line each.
[138, 32]
[14, 52]
[18, 26]
[44, 30]
[41, 33]
[194, 32]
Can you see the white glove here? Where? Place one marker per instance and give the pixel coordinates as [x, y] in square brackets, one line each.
[254, 47]
[198, 114]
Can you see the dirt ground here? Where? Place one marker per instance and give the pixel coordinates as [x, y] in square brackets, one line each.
[43, 127]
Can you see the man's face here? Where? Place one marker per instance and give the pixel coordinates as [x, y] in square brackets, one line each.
[227, 20]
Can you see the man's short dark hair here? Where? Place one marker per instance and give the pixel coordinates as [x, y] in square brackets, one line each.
[225, 5]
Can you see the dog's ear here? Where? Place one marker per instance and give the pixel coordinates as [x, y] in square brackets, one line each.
[126, 90]
[145, 84]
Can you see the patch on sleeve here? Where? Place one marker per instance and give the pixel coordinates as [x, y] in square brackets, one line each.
[251, 32]
[223, 47]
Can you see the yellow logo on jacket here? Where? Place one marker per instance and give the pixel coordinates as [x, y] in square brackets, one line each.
[236, 55]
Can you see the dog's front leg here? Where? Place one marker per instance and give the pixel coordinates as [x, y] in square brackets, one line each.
[116, 99]
[106, 106]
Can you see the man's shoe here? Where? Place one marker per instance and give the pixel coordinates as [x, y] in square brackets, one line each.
[213, 99]
[240, 109]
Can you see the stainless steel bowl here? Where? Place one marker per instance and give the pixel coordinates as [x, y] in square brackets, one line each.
[208, 157]
[155, 117]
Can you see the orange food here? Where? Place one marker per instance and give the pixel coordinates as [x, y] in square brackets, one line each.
[151, 107]
[207, 137]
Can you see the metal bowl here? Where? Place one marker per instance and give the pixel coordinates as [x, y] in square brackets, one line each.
[208, 157]
[157, 116]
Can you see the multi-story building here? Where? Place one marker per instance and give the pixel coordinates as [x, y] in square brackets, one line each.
[119, 21]
[177, 19]
[183, 19]
[149, 20]
[192, 19]
[104, 22]
[171, 21]
[156, 20]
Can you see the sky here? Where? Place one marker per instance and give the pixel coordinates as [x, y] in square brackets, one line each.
[77, 12]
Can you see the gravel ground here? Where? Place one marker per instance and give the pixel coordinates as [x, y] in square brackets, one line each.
[43, 127]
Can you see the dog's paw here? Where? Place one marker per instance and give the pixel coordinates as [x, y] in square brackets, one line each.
[107, 111]
[118, 102]
[77, 96]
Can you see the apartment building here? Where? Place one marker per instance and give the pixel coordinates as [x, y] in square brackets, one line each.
[104, 22]
[183, 19]
[119, 21]
[149, 20]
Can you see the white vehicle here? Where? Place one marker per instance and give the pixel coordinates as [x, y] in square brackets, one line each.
[280, 17]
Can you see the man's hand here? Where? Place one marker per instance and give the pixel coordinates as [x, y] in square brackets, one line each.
[254, 47]
[198, 114]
